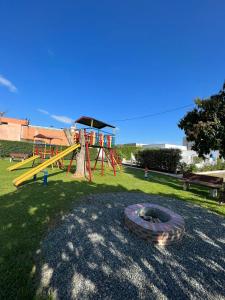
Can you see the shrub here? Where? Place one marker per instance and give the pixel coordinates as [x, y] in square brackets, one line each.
[159, 159]
[125, 151]
[186, 168]
[220, 165]
[93, 153]
[6, 147]
[197, 160]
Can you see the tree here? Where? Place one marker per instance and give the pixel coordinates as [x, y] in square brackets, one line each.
[205, 125]
[80, 158]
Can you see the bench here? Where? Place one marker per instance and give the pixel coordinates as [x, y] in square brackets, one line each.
[18, 156]
[212, 182]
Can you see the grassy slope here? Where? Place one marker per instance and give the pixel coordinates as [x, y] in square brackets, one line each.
[26, 214]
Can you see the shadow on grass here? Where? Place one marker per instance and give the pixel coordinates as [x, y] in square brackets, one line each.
[27, 213]
[169, 181]
[40, 177]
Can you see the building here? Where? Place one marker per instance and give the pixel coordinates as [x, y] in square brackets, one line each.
[132, 145]
[188, 156]
[187, 144]
[164, 146]
[21, 130]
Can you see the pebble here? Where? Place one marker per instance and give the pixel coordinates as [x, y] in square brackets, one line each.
[98, 258]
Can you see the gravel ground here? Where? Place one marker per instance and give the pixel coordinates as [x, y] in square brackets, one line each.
[90, 255]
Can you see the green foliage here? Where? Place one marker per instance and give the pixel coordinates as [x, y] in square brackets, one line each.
[220, 165]
[93, 153]
[205, 124]
[159, 159]
[197, 160]
[125, 151]
[184, 168]
[6, 147]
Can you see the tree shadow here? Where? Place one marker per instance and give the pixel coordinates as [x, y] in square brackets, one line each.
[25, 215]
[92, 247]
[90, 254]
[169, 181]
[41, 176]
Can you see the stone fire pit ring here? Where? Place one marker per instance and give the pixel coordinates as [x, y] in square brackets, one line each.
[169, 227]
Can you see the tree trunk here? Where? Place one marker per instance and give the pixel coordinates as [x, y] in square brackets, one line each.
[80, 158]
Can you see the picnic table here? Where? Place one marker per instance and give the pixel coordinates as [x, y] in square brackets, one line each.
[214, 183]
[18, 156]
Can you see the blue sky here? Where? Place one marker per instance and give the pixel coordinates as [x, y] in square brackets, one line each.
[111, 60]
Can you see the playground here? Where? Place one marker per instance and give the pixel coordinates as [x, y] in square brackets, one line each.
[29, 212]
[60, 202]
[80, 140]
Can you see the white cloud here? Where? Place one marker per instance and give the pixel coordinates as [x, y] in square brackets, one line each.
[62, 119]
[8, 84]
[43, 111]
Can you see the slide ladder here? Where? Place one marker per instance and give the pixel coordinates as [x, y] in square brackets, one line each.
[21, 163]
[39, 168]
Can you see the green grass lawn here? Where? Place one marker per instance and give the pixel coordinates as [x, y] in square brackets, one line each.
[27, 213]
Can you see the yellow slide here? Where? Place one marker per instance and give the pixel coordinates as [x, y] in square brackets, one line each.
[21, 163]
[44, 165]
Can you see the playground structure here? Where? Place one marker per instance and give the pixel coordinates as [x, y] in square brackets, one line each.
[92, 136]
[43, 146]
[42, 149]
[80, 140]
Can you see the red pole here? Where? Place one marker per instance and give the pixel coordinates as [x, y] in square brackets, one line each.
[88, 161]
[71, 161]
[108, 157]
[96, 160]
[102, 162]
[112, 159]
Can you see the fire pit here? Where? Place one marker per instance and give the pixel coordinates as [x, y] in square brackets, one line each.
[154, 223]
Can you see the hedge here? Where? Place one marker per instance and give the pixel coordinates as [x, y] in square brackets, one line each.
[7, 147]
[125, 151]
[166, 160]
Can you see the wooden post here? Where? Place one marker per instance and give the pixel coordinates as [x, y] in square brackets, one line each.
[88, 162]
[186, 186]
[108, 158]
[112, 161]
[214, 193]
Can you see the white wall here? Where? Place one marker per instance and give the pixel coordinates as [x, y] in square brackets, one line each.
[165, 146]
[188, 156]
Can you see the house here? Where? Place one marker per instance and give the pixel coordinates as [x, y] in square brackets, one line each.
[12, 129]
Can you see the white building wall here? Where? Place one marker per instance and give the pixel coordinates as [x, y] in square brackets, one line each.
[165, 146]
[188, 156]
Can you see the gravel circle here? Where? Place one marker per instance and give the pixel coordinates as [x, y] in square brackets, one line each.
[91, 255]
